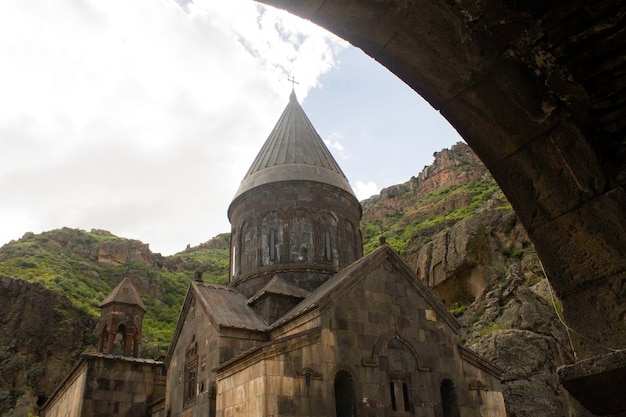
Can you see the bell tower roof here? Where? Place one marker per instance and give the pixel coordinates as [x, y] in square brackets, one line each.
[294, 151]
[124, 293]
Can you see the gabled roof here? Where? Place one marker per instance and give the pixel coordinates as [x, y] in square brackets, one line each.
[224, 307]
[124, 293]
[335, 286]
[228, 307]
[294, 151]
[279, 286]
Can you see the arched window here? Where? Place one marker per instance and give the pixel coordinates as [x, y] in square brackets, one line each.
[326, 240]
[349, 243]
[344, 394]
[448, 399]
[120, 340]
[301, 245]
[248, 245]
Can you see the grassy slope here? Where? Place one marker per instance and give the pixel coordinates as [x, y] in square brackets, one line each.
[433, 209]
[75, 272]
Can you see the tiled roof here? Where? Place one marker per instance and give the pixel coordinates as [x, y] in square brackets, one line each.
[124, 293]
[228, 307]
[294, 151]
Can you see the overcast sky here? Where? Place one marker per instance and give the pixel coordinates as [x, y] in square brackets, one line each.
[142, 117]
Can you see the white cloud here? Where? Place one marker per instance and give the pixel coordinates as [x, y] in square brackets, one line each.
[365, 190]
[141, 117]
[334, 144]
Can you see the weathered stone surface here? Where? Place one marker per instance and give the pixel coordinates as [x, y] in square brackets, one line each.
[40, 340]
[454, 250]
[597, 382]
[373, 323]
[104, 385]
[520, 332]
[454, 166]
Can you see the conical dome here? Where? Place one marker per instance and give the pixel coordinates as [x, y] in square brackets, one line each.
[295, 215]
[294, 151]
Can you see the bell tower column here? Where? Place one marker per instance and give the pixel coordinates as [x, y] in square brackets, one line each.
[121, 312]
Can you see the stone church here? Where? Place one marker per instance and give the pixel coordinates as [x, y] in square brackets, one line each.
[307, 325]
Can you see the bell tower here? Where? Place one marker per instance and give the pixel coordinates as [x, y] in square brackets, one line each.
[121, 319]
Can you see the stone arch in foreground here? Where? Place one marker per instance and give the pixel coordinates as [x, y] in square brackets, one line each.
[538, 90]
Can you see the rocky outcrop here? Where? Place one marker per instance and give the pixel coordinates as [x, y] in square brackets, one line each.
[102, 246]
[458, 261]
[452, 261]
[454, 166]
[42, 336]
[521, 333]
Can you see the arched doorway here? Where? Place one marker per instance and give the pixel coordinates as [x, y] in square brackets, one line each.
[344, 394]
[449, 401]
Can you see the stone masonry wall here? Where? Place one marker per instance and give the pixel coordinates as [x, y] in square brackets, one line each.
[67, 402]
[301, 213]
[118, 387]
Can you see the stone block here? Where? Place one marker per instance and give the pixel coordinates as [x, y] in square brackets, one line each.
[552, 175]
[598, 383]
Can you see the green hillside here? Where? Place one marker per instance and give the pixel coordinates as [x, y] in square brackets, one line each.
[86, 266]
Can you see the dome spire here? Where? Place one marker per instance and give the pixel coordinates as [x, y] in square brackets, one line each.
[292, 96]
[294, 151]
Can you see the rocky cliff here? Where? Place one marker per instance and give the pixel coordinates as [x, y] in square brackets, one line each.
[41, 338]
[517, 329]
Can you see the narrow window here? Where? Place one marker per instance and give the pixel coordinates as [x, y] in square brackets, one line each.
[327, 247]
[399, 391]
[190, 373]
[272, 244]
[405, 392]
[234, 260]
[190, 384]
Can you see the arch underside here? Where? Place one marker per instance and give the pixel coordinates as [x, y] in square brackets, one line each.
[538, 90]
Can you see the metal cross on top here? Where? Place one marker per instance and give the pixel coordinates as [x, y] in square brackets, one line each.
[293, 82]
